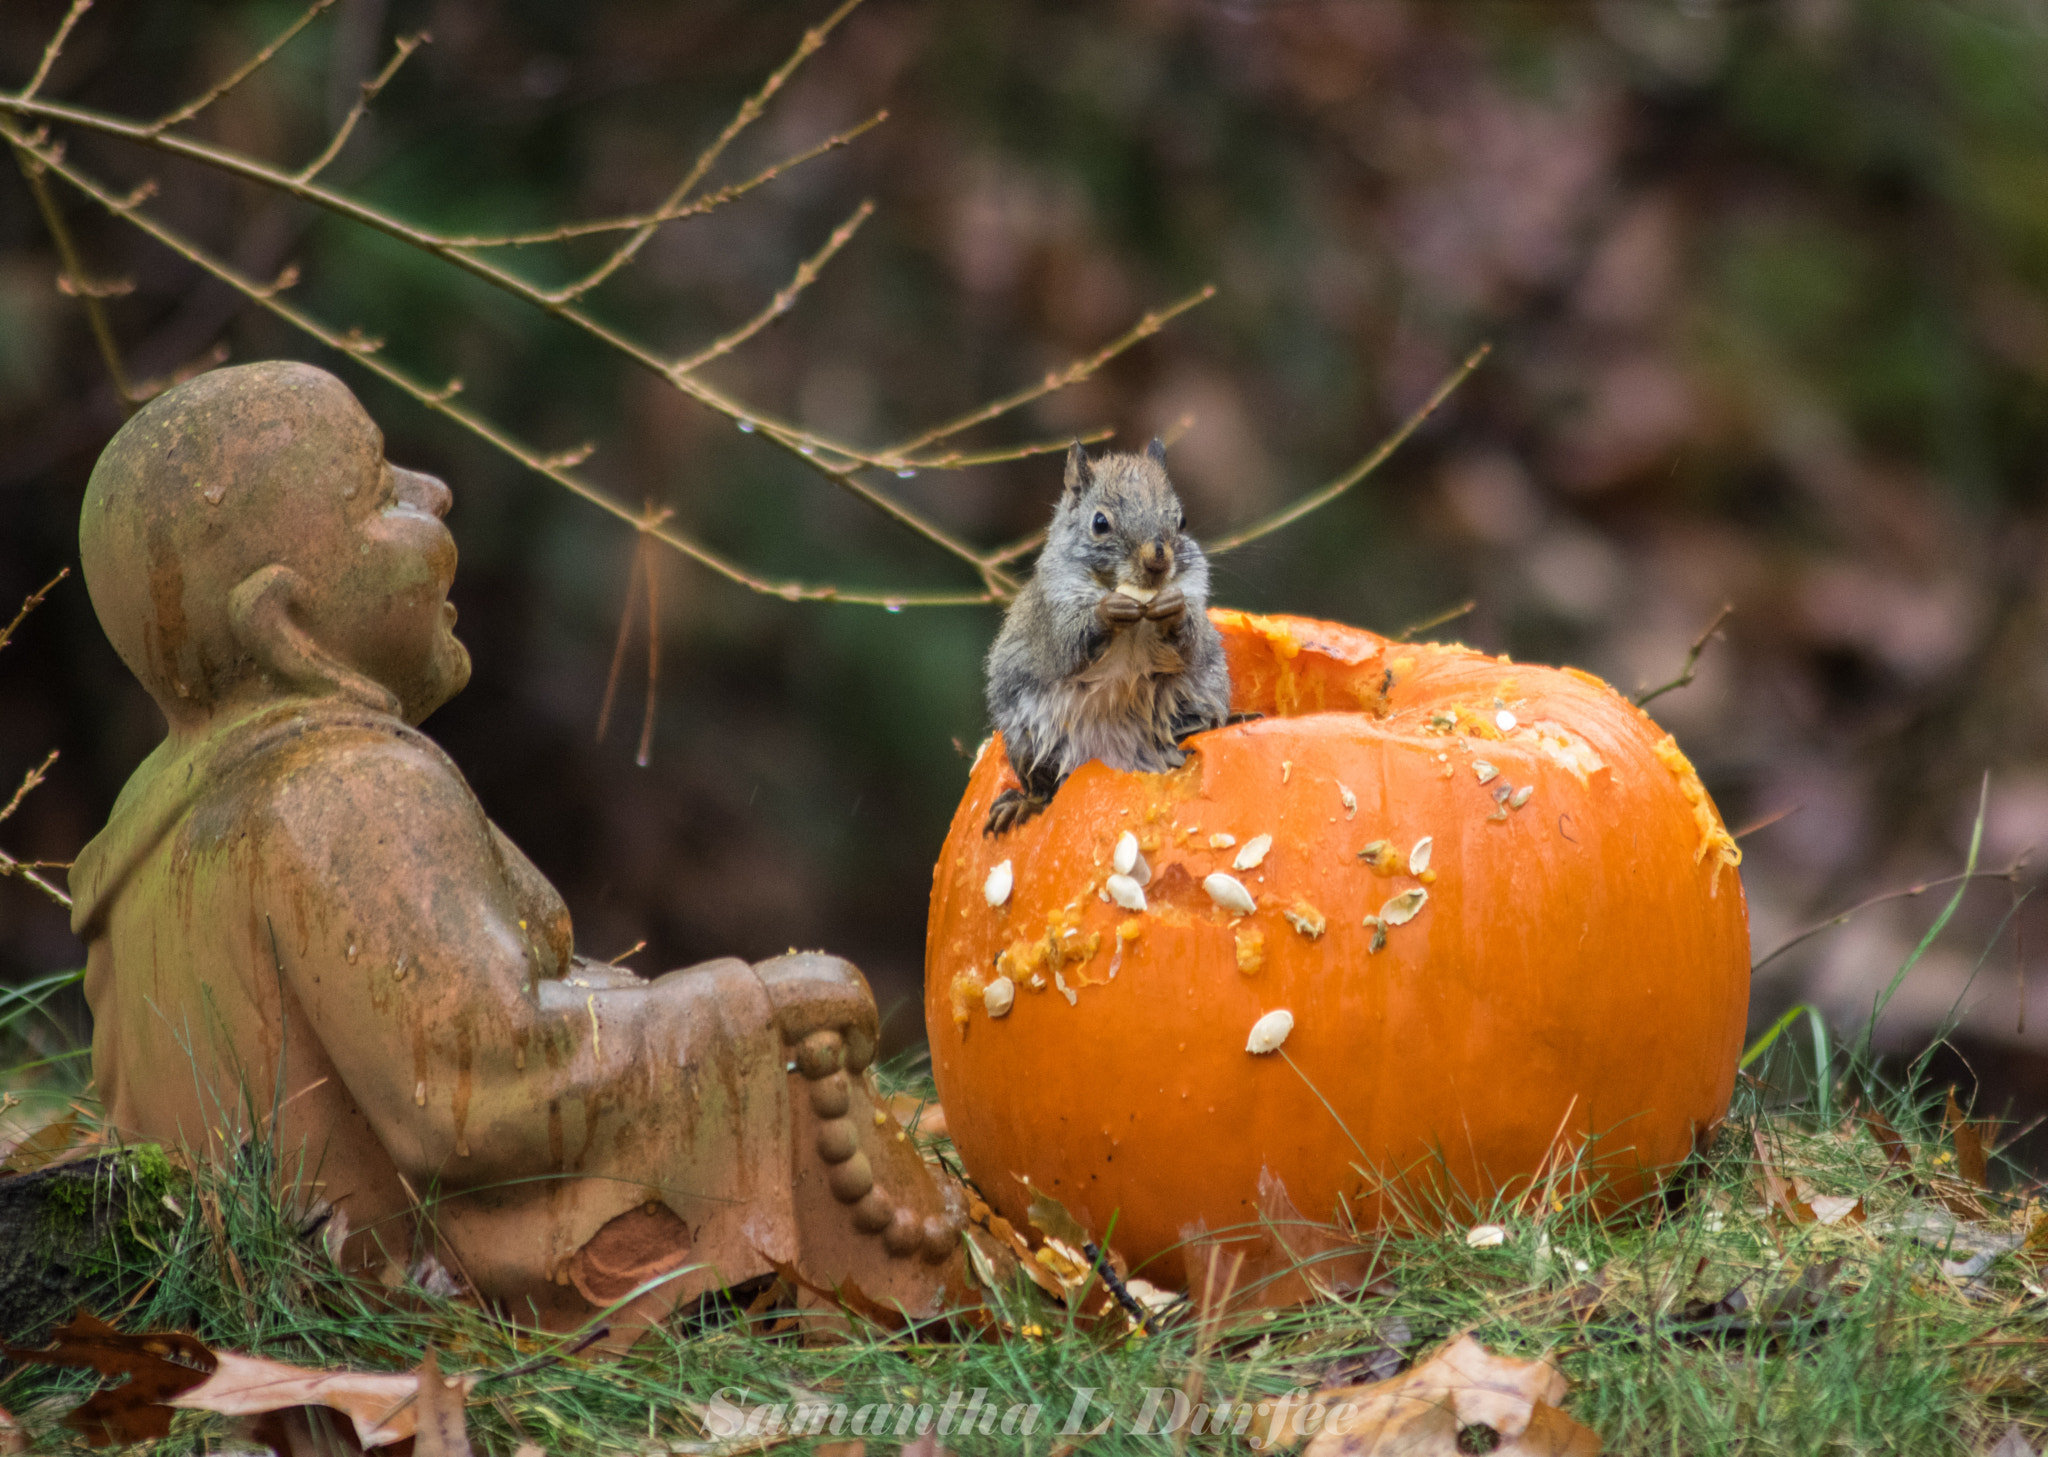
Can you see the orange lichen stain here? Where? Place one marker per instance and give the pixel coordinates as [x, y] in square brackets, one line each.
[1714, 837]
[1251, 951]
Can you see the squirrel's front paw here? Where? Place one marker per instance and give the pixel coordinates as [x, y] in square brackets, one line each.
[1168, 608]
[1114, 610]
[1012, 808]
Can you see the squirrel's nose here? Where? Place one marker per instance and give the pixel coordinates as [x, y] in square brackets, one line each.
[1156, 557]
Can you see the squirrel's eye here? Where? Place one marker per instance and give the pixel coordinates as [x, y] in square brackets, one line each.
[1101, 523]
[1180, 521]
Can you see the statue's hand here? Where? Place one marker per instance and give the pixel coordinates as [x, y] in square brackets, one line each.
[812, 992]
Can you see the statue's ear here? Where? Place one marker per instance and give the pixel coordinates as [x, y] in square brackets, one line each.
[260, 614]
[1080, 475]
[1157, 450]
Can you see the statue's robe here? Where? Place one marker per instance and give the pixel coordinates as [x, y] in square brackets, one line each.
[305, 937]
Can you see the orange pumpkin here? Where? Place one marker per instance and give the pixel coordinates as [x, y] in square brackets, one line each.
[1498, 906]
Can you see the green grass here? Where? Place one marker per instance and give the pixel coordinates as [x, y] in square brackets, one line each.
[1888, 1353]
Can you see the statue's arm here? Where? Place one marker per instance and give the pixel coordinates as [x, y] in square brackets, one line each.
[402, 937]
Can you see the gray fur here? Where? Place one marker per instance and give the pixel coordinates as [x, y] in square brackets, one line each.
[1065, 684]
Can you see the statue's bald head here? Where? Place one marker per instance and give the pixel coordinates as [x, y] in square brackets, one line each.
[223, 512]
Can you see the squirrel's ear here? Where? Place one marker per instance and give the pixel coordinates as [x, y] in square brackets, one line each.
[1157, 450]
[1079, 474]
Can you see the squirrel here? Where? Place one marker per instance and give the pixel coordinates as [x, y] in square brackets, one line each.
[1108, 652]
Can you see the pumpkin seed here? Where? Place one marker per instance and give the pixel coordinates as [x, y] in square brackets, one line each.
[1229, 892]
[1379, 936]
[1505, 721]
[1350, 801]
[1484, 770]
[1221, 841]
[1521, 796]
[997, 887]
[1129, 860]
[1486, 1236]
[1418, 858]
[1403, 908]
[1375, 852]
[1253, 854]
[1126, 892]
[999, 996]
[1269, 1032]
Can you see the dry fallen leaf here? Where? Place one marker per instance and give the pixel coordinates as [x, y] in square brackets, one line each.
[1888, 1139]
[1777, 1193]
[1433, 1410]
[2012, 1444]
[158, 1366]
[442, 1430]
[170, 1369]
[1971, 1161]
[12, 1437]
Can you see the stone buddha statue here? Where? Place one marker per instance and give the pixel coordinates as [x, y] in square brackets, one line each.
[304, 932]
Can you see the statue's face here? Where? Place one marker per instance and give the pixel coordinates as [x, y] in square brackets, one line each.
[387, 614]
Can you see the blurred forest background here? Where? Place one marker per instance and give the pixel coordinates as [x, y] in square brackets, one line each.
[1767, 282]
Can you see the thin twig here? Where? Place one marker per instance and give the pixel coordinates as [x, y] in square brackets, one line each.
[365, 352]
[407, 44]
[1451, 615]
[611, 678]
[749, 111]
[1316, 500]
[2010, 874]
[56, 47]
[833, 459]
[9, 866]
[28, 781]
[81, 287]
[31, 603]
[1057, 379]
[785, 298]
[26, 870]
[1692, 658]
[697, 206]
[242, 73]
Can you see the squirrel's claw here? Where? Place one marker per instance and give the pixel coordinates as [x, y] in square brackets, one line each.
[1012, 808]
[1114, 610]
[1168, 608]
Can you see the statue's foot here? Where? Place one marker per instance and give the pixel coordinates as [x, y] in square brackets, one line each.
[875, 1229]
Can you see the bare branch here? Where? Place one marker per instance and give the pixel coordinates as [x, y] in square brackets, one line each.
[365, 351]
[56, 47]
[26, 870]
[248, 68]
[749, 111]
[960, 459]
[80, 287]
[785, 298]
[407, 44]
[1059, 379]
[697, 206]
[1316, 500]
[28, 781]
[1692, 659]
[21, 870]
[35, 600]
[1449, 615]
